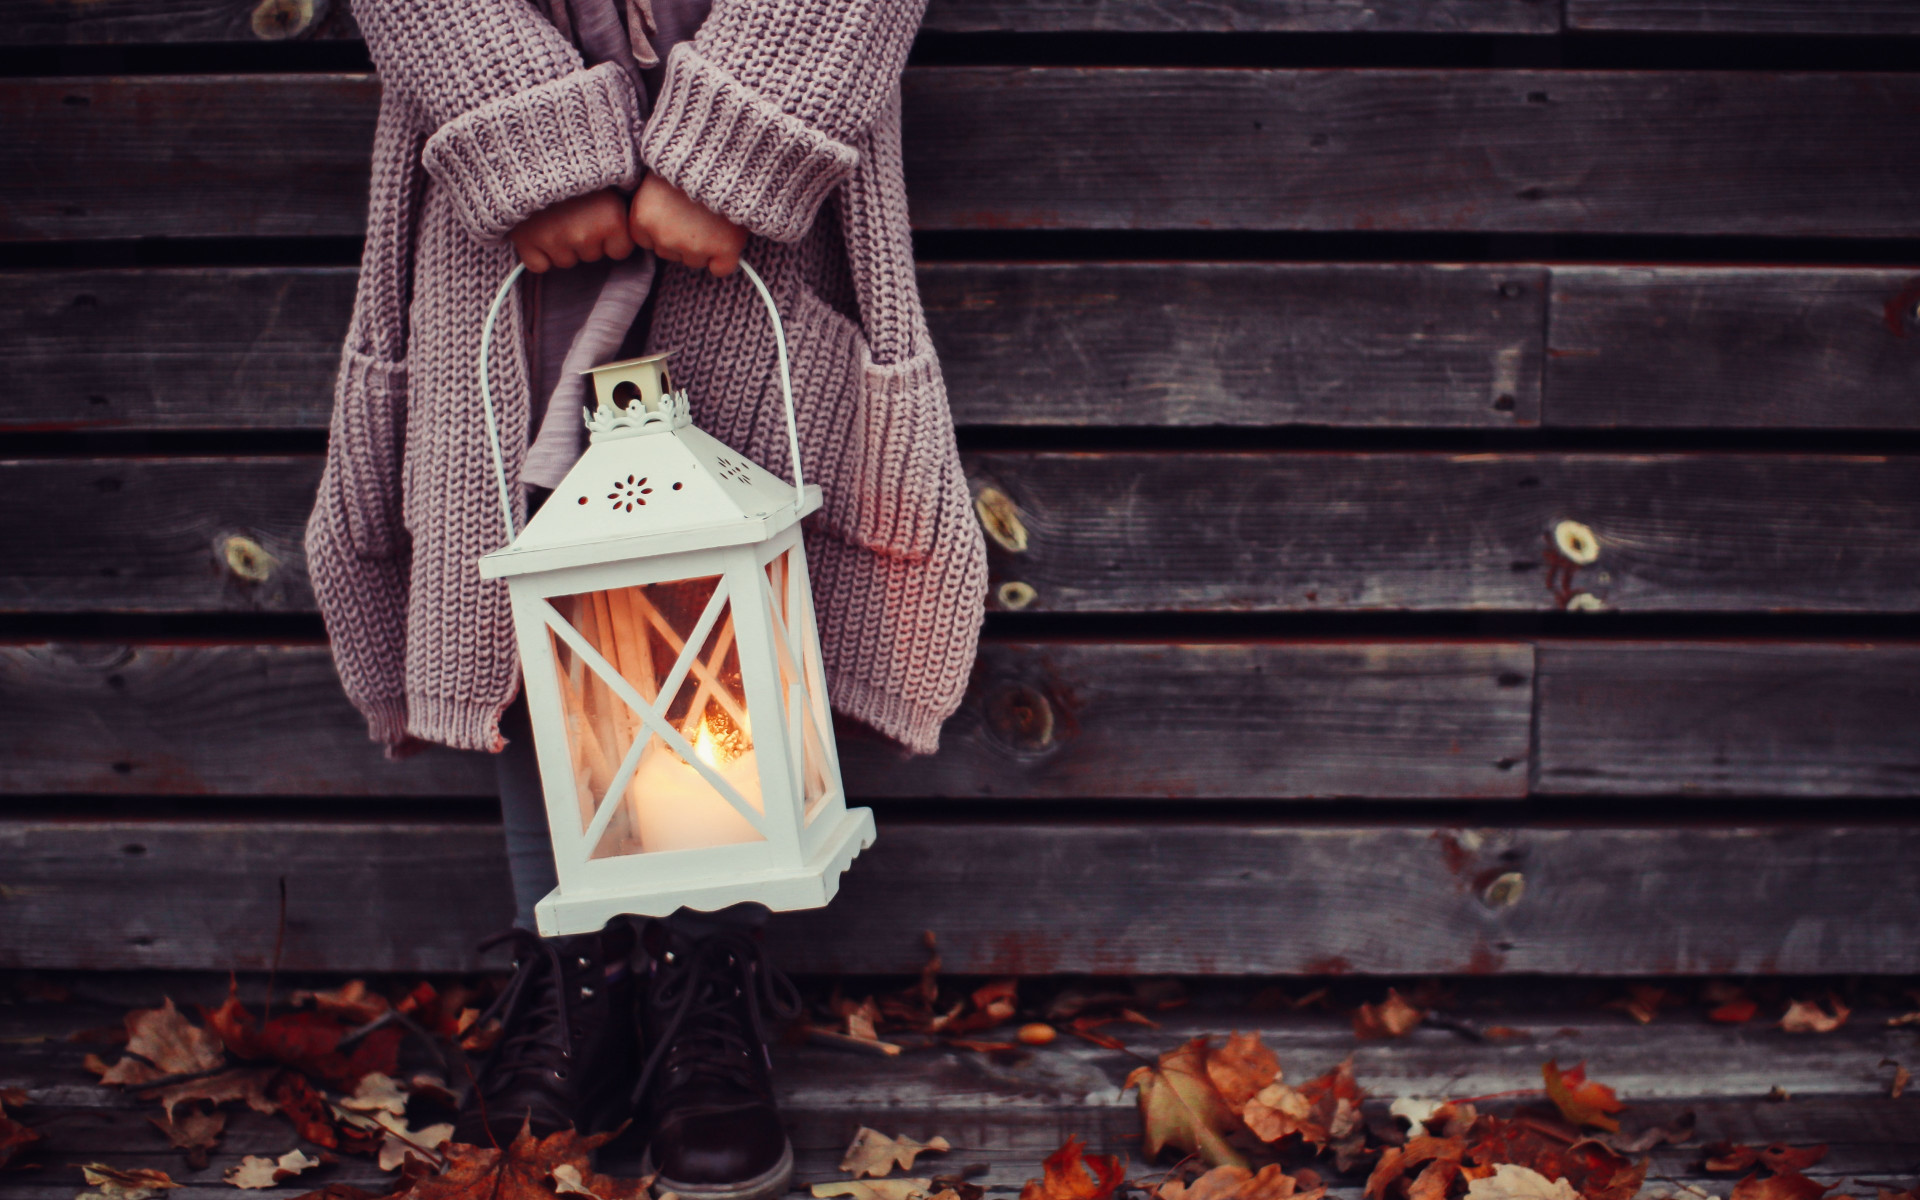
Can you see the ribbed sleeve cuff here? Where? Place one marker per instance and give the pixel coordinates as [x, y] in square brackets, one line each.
[386, 720]
[508, 159]
[737, 153]
[915, 726]
[452, 721]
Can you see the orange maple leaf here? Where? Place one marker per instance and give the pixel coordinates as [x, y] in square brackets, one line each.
[1071, 1174]
[528, 1169]
[1442, 1154]
[1787, 1185]
[306, 1041]
[1580, 1100]
[1239, 1069]
[1238, 1183]
[1179, 1106]
[1391, 1018]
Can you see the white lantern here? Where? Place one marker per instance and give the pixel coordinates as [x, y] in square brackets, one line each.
[672, 668]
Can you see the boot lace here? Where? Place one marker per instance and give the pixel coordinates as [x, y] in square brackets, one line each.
[703, 1038]
[532, 1010]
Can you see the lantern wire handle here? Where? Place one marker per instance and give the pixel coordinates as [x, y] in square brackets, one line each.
[486, 394]
[493, 425]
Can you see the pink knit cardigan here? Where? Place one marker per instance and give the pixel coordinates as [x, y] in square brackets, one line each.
[782, 115]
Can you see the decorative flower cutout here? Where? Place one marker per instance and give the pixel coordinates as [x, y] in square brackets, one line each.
[632, 492]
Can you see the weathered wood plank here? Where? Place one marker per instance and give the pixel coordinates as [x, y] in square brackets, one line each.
[157, 534]
[1563, 151]
[185, 156]
[1116, 148]
[1025, 344]
[1239, 344]
[1242, 16]
[136, 22]
[1009, 1112]
[1063, 721]
[1729, 720]
[212, 348]
[201, 720]
[1304, 532]
[1135, 532]
[120, 22]
[1820, 18]
[1725, 347]
[1026, 898]
[1093, 344]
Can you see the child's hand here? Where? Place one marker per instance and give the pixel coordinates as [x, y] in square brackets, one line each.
[582, 229]
[675, 227]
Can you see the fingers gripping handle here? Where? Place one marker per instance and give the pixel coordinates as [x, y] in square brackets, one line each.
[493, 424]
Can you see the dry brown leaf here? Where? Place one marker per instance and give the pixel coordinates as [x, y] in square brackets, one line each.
[521, 1171]
[1391, 1018]
[874, 1154]
[15, 1140]
[193, 1131]
[1901, 1078]
[111, 1183]
[1070, 1173]
[351, 1002]
[1580, 1100]
[1511, 1181]
[1240, 1068]
[1787, 1185]
[1279, 1110]
[255, 1172]
[1396, 1161]
[1806, 1016]
[1912, 1018]
[570, 1180]
[376, 1093]
[1239, 1183]
[876, 1189]
[1180, 1107]
[424, 1144]
[161, 1042]
[247, 1085]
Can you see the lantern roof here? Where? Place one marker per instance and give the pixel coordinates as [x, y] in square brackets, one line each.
[650, 482]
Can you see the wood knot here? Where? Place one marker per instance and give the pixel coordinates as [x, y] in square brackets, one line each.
[247, 559]
[1505, 890]
[278, 20]
[1021, 716]
[1001, 520]
[1014, 595]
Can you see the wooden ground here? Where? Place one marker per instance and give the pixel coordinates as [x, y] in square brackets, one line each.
[1010, 1111]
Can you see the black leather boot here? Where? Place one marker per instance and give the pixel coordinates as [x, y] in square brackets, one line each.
[706, 1102]
[567, 1051]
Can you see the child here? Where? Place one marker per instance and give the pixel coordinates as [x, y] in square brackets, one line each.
[523, 127]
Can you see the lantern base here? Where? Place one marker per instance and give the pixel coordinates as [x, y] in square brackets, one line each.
[811, 886]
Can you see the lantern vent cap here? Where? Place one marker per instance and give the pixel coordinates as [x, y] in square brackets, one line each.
[629, 496]
[640, 416]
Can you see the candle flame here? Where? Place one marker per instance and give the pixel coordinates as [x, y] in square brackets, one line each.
[717, 746]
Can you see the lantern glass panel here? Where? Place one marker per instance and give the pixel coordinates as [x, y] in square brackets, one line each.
[799, 659]
[649, 799]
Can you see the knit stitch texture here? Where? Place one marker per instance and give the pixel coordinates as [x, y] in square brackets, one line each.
[783, 116]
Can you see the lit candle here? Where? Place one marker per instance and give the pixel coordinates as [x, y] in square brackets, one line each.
[674, 806]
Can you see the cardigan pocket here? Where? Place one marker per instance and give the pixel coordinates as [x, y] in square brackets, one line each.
[880, 436]
[366, 446]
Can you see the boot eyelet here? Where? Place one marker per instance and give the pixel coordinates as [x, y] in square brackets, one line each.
[559, 1073]
[584, 962]
[586, 993]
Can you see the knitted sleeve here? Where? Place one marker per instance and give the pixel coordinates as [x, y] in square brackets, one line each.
[760, 114]
[517, 122]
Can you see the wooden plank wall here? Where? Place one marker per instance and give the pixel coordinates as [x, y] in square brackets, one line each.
[1282, 335]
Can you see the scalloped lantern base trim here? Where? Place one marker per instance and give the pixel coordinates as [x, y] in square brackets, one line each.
[812, 886]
